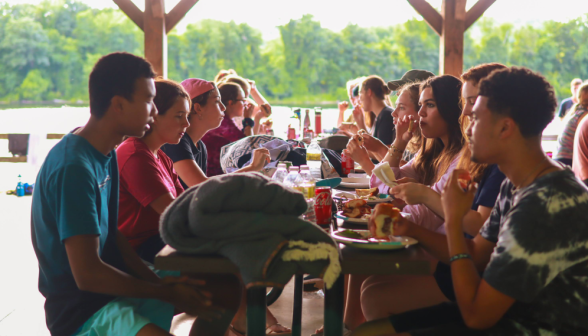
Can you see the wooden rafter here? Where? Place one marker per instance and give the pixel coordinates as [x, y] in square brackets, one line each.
[132, 11]
[430, 14]
[476, 12]
[177, 13]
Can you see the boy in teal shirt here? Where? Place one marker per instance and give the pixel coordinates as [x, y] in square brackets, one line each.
[93, 281]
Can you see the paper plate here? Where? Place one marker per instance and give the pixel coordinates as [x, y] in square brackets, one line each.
[395, 244]
[351, 220]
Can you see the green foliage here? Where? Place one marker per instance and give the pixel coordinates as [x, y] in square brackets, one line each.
[48, 50]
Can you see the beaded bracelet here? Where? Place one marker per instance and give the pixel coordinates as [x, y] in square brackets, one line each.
[393, 149]
[459, 256]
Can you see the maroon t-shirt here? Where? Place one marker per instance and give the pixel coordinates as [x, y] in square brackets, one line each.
[143, 178]
[215, 139]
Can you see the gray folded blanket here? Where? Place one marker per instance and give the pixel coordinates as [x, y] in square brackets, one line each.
[254, 222]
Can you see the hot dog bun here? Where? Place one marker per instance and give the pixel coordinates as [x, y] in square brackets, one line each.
[381, 221]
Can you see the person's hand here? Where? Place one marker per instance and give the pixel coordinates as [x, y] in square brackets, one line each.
[357, 152]
[373, 144]
[170, 280]
[248, 110]
[343, 106]
[403, 135]
[261, 157]
[252, 84]
[411, 193]
[348, 129]
[457, 202]
[402, 227]
[192, 300]
[357, 113]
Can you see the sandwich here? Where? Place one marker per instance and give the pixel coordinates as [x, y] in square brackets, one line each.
[382, 220]
[385, 174]
[356, 208]
[367, 193]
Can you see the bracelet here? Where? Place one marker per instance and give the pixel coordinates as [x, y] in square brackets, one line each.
[393, 149]
[459, 256]
[248, 122]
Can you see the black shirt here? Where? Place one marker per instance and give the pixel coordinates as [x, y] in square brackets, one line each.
[384, 126]
[187, 150]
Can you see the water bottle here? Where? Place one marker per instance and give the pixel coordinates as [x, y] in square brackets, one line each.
[313, 159]
[291, 179]
[20, 191]
[281, 173]
[307, 184]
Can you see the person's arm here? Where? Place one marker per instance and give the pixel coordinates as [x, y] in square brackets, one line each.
[359, 119]
[342, 108]
[93, 275]
[374, 145]
[481, 305]
[248, 113]
[190, 172]
[260, 157]
[256, 95]
[135, 265]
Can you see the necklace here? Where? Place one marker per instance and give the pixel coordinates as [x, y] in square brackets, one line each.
[514, 189]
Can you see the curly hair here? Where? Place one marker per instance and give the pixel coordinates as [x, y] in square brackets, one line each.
[523, 95]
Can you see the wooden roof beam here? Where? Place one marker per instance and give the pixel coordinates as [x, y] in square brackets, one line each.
[477, 11]
[430, 14]
[177, 13]
[132, 11]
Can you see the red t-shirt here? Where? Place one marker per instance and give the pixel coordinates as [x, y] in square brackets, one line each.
[143, 178]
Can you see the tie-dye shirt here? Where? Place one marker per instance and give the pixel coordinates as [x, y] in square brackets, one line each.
[541, 254]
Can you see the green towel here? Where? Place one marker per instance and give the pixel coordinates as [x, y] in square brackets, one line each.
[255, 222]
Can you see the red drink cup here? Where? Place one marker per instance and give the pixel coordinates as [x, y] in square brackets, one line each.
[323, 205]
[347, 164]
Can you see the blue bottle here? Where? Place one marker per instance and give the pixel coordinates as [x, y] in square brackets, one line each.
[20, 191]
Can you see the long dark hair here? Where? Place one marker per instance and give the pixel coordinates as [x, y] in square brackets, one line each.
[434, 157]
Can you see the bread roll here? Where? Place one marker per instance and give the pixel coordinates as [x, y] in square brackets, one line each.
[381, 221]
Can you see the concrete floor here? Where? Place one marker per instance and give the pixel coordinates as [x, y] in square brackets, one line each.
[21, 304]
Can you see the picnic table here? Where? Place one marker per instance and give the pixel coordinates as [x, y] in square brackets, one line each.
[413, 260]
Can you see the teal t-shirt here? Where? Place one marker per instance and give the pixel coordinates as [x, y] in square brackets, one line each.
[76, 193]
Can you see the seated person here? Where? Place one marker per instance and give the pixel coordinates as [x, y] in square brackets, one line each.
[378, 116]
[565, 141]
[93, 281]
[531, 250]
[580, 152]
[190, 154]
[385, 295]
[348, 126]
[233, 98]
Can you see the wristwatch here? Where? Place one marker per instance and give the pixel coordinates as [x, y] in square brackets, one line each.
[248, 122]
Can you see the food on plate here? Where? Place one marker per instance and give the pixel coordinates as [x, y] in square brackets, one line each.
[368, 193]
[350, 234]
[385, 174]
[380, 223]
[356, 208]
[464, 179]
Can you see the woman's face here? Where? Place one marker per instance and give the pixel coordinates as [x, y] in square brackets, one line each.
[172, 125]
[404, 108]
[469, 94]
[235, 108]
[432, 123]
[365, 100]
[210, 115]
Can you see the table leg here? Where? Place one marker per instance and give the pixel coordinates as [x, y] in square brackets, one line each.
[297, 310]
[256, 306]
[334, 308]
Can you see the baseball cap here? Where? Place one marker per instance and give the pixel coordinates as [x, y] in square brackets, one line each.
[196, 86]
[411, 76]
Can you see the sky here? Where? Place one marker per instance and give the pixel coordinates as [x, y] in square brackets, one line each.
[265, 15]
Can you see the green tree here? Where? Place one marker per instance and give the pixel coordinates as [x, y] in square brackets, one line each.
[34, 86]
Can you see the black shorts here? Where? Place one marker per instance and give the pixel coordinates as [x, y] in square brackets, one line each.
[443, 319]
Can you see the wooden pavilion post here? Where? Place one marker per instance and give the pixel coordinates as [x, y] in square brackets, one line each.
[451, 25]
[156, 24]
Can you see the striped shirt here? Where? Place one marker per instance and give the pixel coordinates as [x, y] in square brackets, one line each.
[565, 141]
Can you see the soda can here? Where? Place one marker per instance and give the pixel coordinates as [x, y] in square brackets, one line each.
[347, 164]
[323, 205]
[291, 133]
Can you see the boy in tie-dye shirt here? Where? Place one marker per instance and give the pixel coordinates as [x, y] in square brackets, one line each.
[526, 272]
